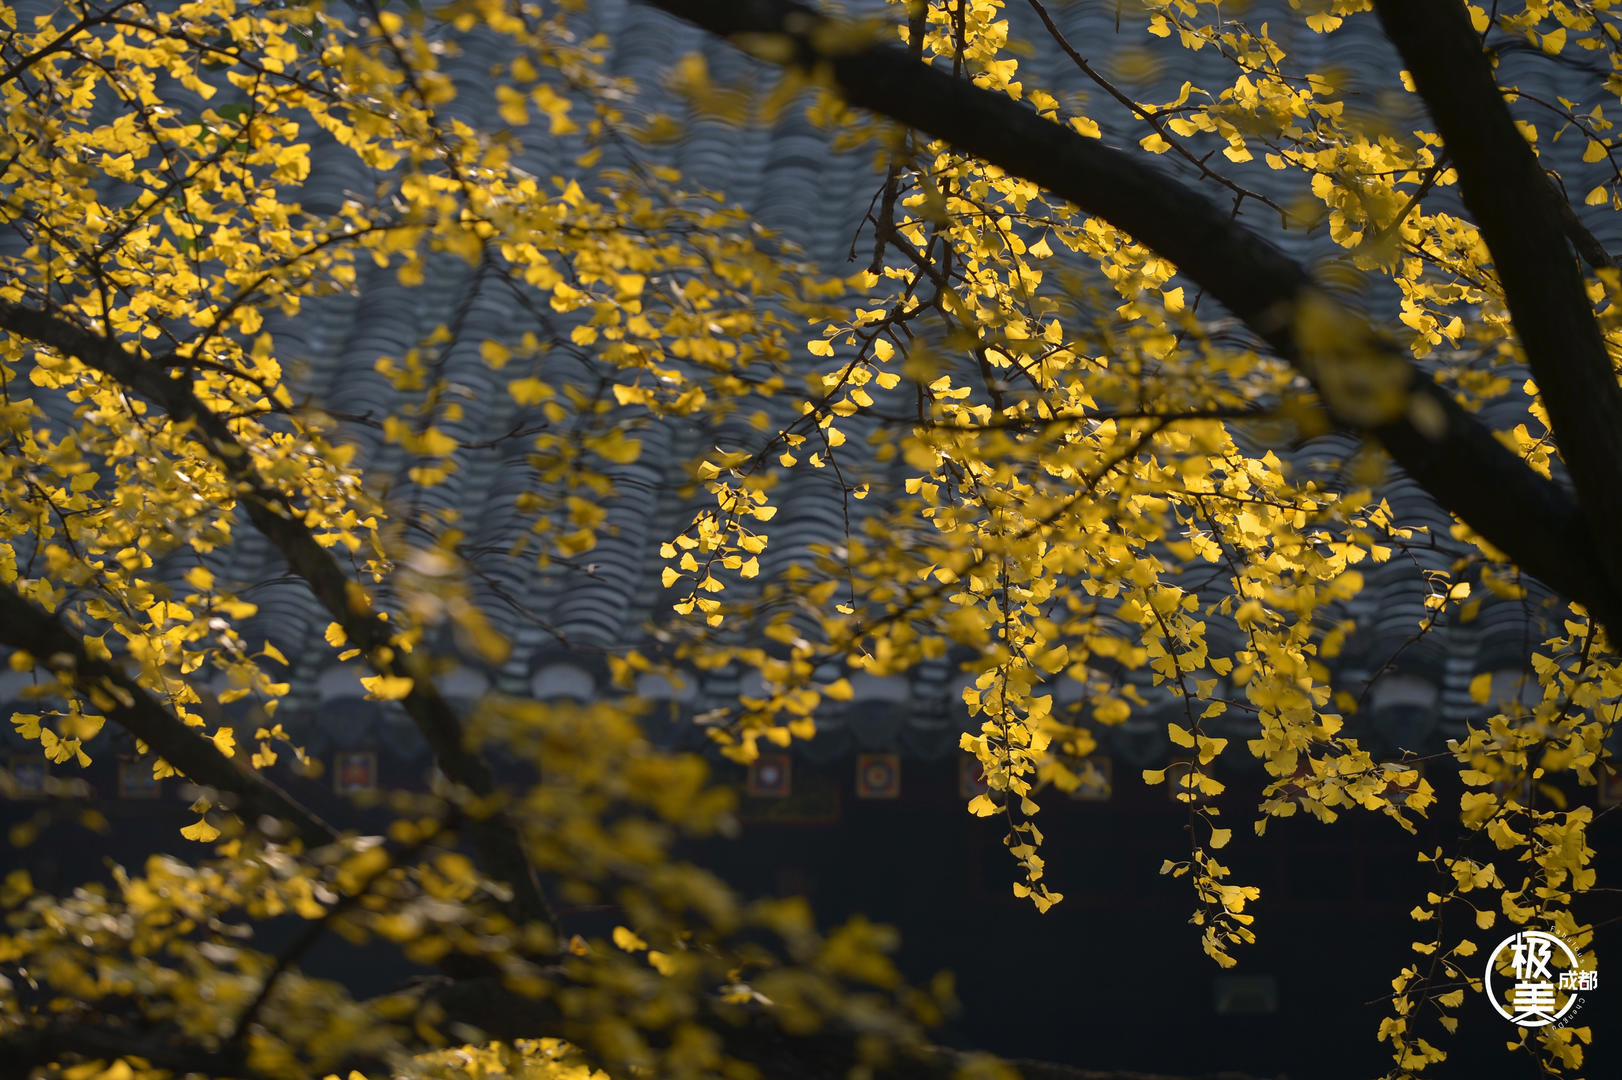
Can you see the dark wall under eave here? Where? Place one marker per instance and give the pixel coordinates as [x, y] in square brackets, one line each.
[1112, 977]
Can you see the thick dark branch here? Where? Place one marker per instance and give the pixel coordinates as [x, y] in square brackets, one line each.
[751, 1034]
[25, 1053]
[25, 625]
[484, 1008]
[496, 837]
[1507, 193]
[1455, 457]
[830, 1054]
[1588, 247]
[1148, 116]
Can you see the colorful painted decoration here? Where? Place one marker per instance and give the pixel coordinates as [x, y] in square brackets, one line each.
[354, 772]
[769, 776]
[878, 776]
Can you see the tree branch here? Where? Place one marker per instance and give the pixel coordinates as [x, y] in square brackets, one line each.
[1450, 452]
[1588, 246]
[495, 837]
[27, 626]
[1508, 193]
[751, 1035]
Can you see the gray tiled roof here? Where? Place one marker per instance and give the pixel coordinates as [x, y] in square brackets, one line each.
[786, 179]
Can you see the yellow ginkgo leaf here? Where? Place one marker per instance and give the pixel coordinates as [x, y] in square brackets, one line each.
[628, 940]
[201, 831]
[387, 687]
